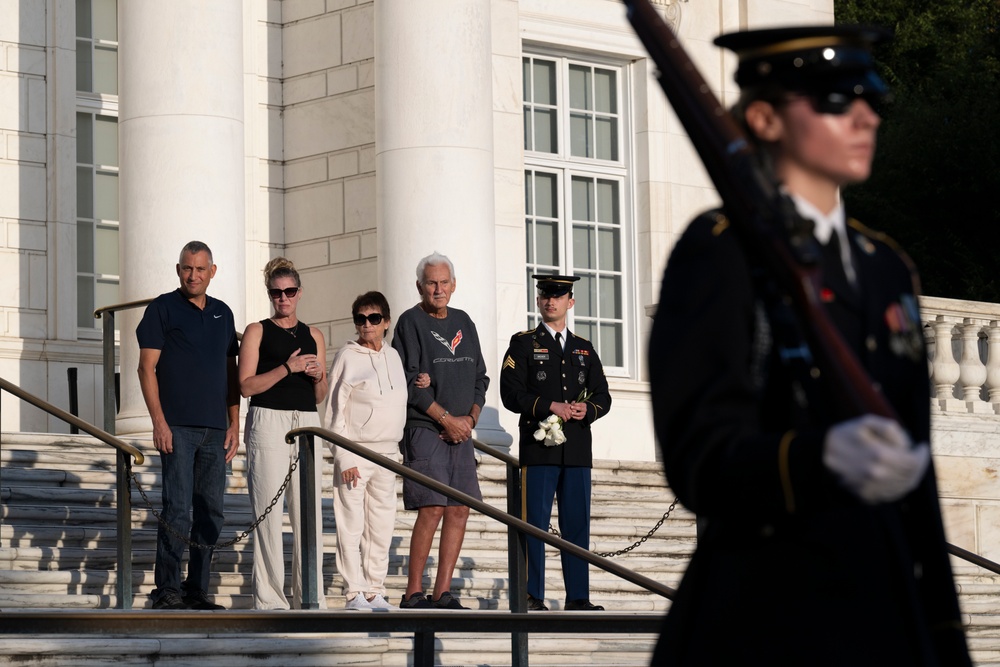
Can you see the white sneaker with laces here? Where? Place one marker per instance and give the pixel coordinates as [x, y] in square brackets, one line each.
[358, 602]
[379, 602]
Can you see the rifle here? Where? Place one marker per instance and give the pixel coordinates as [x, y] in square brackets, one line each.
[763, 219]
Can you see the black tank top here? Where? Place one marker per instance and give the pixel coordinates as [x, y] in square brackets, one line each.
[295, 391]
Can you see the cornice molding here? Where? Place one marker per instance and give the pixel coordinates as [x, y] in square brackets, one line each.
[671, 10]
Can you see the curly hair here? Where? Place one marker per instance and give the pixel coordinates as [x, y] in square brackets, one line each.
[279, 267]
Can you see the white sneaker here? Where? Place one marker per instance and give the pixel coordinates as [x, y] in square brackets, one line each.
[358, 602]
[379, 602]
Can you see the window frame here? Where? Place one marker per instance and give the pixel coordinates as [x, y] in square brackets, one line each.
[95, 104]
[566, 166]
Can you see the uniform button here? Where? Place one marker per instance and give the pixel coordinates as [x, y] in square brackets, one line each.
[564, 389]
[871, 344]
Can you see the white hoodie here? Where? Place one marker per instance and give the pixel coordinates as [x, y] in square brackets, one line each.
[367, 400]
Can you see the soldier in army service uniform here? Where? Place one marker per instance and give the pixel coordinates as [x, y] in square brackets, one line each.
[555, 381]
[823, 543]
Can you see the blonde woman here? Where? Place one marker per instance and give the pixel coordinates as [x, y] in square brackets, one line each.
[282, 369]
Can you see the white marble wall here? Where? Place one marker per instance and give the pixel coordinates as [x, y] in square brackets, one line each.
[38, 340]
[321, 213]
[23, 159]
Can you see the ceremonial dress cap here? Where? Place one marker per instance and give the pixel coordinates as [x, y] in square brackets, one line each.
[549, 285]
[810, 59]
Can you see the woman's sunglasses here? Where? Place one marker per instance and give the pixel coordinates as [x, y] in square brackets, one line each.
[837, 104]
[275, 293]
[374, 318]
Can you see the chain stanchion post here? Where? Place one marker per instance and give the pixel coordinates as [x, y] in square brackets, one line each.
[516, 567]
[123, 587]
[307, 510]
[109, 371]
[423, 648]
[1, 464]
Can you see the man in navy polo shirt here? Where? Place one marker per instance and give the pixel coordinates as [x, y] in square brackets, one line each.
[187, 371]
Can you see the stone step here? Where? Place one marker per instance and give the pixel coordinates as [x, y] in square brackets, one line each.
[26, 568]
[92, 527]
[66, 491]
[62, 444]
[57, 550]
[387, 650]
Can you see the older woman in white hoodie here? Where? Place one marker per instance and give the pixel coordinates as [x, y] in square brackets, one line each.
[366, 404]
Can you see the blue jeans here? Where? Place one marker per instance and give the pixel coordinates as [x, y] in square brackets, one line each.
[194, 478]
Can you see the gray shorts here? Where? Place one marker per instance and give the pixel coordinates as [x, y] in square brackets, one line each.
[454, 465]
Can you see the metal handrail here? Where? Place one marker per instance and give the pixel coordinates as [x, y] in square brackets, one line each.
[957, 551]
[973, 558]
[87, 427]
[509, 459]
[108, 361]
[517, 550]
[113, 308]
[123, 496]
[605, 564]
[517, 530]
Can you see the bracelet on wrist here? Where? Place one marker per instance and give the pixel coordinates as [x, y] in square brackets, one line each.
[442, 417]
[287, 367]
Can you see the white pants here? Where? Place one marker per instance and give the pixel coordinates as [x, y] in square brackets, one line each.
[268, 458]
[366, 516]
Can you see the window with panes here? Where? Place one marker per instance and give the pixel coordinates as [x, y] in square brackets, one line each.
[96, 157]
[575, 186]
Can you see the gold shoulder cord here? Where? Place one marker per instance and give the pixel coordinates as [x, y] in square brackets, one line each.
[786, 478]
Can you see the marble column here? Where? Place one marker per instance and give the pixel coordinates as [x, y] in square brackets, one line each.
[181, 145]
[434, 161]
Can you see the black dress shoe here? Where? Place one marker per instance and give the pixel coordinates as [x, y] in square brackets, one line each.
[198, 600]
[534, 604]
[169, 600]
[582, 605]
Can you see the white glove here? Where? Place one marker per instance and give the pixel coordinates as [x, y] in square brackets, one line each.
[874, 458]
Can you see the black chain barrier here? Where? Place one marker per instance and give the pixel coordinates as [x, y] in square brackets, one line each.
[641, 540]
[242, 536]
[281, 490]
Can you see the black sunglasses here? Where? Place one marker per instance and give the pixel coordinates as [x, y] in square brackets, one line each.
[374, 318]
[837, 104]
[275, 293]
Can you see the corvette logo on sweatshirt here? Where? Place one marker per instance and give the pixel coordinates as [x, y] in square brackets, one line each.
[453, 345]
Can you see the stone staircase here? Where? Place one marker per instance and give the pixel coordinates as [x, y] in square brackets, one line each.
[58, 551]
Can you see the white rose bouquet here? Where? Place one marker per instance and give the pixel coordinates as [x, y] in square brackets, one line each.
[550, 431]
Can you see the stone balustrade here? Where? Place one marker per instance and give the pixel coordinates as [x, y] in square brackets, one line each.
[963, 345]
[963, 356]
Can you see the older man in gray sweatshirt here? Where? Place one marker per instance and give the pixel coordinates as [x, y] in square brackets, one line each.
[437, 441]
